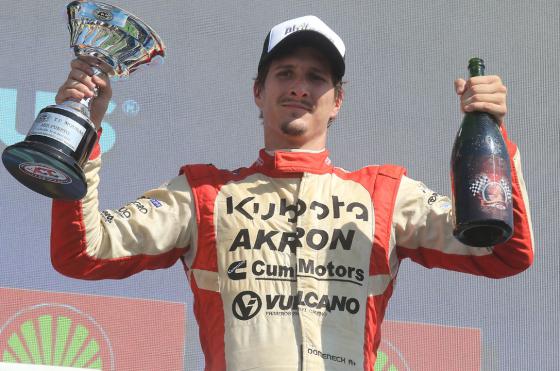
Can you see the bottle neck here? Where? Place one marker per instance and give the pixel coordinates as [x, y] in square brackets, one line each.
[476, 67]
[476, 70]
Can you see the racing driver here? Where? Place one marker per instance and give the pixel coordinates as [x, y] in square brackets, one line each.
[291, 260]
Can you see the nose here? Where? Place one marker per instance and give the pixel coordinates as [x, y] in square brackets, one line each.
[299, 88]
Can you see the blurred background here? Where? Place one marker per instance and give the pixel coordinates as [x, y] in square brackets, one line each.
[400, 107]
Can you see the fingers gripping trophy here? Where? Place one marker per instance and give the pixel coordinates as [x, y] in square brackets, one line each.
[51, 158]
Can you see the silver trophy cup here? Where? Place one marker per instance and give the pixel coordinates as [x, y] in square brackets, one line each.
[51, 158]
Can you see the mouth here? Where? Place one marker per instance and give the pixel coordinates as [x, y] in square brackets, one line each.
[297, 105]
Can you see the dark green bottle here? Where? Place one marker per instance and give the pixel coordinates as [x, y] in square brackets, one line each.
[481, 178]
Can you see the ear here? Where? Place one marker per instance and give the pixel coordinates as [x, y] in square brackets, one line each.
[257, 94]
[337, 104]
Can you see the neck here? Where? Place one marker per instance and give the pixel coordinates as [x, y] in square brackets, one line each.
[290, 143]
[272, 151]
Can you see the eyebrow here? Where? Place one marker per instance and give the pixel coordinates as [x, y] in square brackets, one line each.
[312, 68]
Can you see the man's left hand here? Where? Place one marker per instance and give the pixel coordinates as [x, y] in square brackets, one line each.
[484, 94]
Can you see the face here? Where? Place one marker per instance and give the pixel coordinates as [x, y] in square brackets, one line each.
[297, 100]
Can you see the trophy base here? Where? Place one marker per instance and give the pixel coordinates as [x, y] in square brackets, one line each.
[45, 170]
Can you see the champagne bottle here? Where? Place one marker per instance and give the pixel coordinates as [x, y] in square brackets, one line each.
[481, 178]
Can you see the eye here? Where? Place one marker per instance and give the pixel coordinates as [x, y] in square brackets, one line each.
[284, 73]
[317, 77]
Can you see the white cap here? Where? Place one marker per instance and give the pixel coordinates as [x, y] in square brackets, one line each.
[306, 31]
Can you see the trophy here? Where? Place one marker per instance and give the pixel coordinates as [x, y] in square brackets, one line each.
[51, 158]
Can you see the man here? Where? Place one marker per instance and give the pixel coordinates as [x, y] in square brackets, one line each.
[291, 261]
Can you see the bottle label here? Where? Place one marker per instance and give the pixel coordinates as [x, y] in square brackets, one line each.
[481, 178]
[489, 185]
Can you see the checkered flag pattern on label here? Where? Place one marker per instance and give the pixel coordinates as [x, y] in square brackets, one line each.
[482, 181]
[478, 185]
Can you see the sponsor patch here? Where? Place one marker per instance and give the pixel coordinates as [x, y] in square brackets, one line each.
[330, 271]
[330, 357]
[315, 239]
[235, 270]
[107, 216]
[252, 209]
[247, 304]
[155, 202]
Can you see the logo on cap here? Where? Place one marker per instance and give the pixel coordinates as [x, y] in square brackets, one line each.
[294, 28]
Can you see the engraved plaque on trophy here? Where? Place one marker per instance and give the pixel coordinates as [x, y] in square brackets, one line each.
[51, 158]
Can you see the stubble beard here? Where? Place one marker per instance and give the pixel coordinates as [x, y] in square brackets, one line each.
[293, 128]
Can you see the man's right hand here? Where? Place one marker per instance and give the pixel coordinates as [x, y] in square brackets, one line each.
[80, 84]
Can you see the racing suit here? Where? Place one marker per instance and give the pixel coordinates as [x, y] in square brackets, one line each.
[291, 261]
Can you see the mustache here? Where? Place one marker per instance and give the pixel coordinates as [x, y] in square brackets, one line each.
[304, 103]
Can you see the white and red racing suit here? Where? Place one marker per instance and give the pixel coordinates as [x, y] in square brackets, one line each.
[291, 261]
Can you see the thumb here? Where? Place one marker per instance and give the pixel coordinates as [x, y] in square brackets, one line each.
[460, 86]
